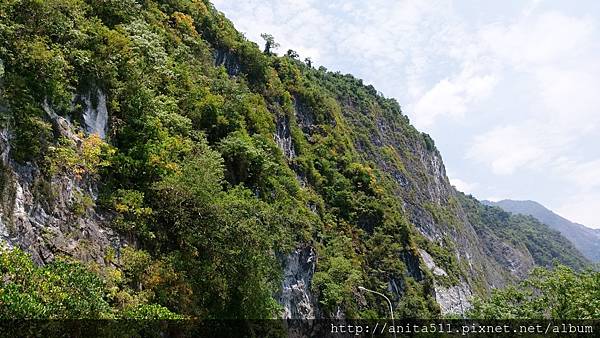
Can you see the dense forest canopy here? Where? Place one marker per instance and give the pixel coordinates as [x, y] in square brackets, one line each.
[189, 167]
[204, 195]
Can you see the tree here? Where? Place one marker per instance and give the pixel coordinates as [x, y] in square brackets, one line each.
[270, 43]
[308, 62]
[292, 54]
[66, 289]
[559, 293]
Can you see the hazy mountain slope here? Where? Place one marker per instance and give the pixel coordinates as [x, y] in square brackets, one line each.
[544, 243]
[464, 260]
[586, 240]
[214, 179]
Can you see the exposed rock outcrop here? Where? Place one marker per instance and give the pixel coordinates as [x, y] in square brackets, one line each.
[304, 116]
[296, 297]
[454, 299]
[228, 60]
[283, 137]
[54, 215]
[95, 115]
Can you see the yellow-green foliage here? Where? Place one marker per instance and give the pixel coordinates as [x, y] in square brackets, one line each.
[192, 175]
[80, 160]
[63, 289]
[557, 293]
[132, 216]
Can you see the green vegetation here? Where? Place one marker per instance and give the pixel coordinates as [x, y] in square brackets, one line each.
[79, 160]
[192, 178]
[66, 289]
[337, 278]
[190, 169]
[558, 293]
[544, 244]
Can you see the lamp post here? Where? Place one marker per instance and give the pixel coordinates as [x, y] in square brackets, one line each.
[361, 288]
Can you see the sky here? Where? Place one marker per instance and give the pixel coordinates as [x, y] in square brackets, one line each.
[509, 90]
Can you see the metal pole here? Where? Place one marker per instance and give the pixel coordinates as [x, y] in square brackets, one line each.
[389, 302]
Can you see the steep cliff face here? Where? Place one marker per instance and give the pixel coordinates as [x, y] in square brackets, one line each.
[228, 60]
[283, 137]
[53, 214]
[296, 295]
[413, 167]
[95, 116]
[244, 179]
[459, 251]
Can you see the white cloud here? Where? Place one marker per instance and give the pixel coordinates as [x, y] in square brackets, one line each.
[569, 96]
[550, 37]
[532, 71]
[452, 98]
[508, 148]
[584, 175]
[582, 208]
[463, 186]
[552, 52]
[530, 8]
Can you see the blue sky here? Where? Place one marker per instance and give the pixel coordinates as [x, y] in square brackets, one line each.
[509, 90]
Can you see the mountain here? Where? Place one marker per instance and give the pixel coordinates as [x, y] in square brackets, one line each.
[152, 154]
[586, 240]
[543, 243]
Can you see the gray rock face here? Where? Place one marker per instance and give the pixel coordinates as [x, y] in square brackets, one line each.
[5, 175]
[296, 298]
[436, 270]
[283, 137]
[50, 216]
[229, 61]
[61, 124]
[437, 188]
[517, 262]
[304, 117]
[44, 228]
[4, 146]
[454, 299]
[95, 116]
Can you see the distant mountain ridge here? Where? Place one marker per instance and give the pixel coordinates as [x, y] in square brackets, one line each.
[586, 240]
